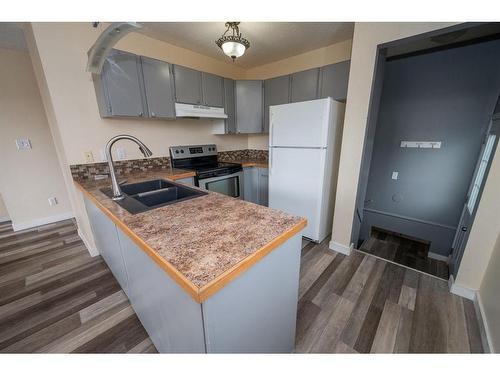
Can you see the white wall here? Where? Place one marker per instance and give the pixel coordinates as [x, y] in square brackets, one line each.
[4, 214]
[28, 177]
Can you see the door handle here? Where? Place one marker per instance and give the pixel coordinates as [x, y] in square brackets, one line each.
[464, 229]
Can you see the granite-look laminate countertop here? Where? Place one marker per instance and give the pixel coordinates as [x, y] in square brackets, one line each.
[202, 243]
[261, 163]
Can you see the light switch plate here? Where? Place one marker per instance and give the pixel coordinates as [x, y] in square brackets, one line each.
[23, 144]
[395, 175]
[53, 201]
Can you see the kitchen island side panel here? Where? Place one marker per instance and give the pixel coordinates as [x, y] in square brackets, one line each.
[171, 317]
[257, 311]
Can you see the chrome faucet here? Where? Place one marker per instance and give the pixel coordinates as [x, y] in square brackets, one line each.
[117, 191]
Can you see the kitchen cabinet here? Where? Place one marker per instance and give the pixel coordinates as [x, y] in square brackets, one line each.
[249, 106]
[212, 87]
[159, 88]
[187, 85]
[334, 79]
[263, 192]
[276, 91]
[119, 88]
[229, 106]
[256, 185]
[304, 85]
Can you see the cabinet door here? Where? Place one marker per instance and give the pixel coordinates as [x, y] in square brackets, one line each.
[276, 91]
[249, 105]
[229, 106]
[304, 85]
[263, 186]
[123, 85]
[250, 184]
[334, 79]
[213, 94]
[159, 88]
[187, 85]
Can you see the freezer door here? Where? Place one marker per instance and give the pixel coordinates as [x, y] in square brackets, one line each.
[295, 184]
[303, 124]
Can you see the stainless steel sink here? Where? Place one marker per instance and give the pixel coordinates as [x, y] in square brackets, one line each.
[148, 195]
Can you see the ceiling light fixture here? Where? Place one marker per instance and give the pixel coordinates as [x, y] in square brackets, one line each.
[233, 45]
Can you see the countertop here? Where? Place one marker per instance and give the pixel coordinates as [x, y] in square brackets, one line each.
[202, 243]
[261, 163]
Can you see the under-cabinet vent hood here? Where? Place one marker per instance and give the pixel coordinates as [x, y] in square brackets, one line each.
[196, 110]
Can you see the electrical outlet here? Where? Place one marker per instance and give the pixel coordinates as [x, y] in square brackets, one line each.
[53, 201]
[23, 144]
[395, 175]
[121, 153]
[89, 157]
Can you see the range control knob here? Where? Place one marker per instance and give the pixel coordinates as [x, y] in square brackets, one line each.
[176, 151]
[182, 151]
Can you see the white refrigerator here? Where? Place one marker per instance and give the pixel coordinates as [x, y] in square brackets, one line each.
[304, 153]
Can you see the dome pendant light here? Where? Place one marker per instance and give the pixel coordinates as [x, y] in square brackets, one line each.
[233, 45]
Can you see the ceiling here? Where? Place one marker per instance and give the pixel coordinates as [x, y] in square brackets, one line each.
[269, 41]
[12, 36]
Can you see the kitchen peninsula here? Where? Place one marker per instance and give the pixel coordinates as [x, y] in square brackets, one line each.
[211, 274]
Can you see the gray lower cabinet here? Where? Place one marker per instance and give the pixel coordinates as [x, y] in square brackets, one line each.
[256, 185]
[119, 88]
[229, 106]
[159, 88]
[276, 91]
[249, 106]
[263, 186]
[304, 85]
[251, 314]
[334, 79]
[187, 85]
[213, 91]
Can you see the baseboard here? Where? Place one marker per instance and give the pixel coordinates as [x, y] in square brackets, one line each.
[4, 218]
[42, 221]
[483, 325]
[91, 249]
[339, 248]
[438, 257]
[460, 290]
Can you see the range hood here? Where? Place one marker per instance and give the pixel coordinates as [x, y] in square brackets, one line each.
[196, 110]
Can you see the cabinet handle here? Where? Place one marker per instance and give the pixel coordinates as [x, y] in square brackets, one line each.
[140, 114]
[153, 114]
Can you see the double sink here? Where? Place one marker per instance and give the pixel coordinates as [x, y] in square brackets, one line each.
[148, 195]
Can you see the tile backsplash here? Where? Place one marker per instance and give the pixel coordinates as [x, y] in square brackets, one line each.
[87, 171]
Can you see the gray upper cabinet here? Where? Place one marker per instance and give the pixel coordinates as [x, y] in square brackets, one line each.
[304, 85]
[229, 106]
[187, 85]
[213, 94]
[276, 91]
[249, 105]
[159, 88]
[119, 86]
[334, 79]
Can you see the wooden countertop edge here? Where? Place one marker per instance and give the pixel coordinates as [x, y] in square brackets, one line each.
[225, 278]
[254, 164]
[203, 293]
[178, 176]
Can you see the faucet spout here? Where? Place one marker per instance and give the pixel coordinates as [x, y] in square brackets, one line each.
[117, 191]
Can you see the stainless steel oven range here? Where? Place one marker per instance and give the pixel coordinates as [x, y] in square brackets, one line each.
[221, 177]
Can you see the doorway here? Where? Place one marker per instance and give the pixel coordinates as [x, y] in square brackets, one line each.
[432, 105]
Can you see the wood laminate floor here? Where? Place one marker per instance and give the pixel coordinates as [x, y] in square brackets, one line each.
[55, 297]
[362, 304]
[401, 250]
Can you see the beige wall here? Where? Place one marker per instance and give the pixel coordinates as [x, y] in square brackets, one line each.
[319, 57]
[4, 214]
[29, 177]
[488, 295]
[364, 46]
